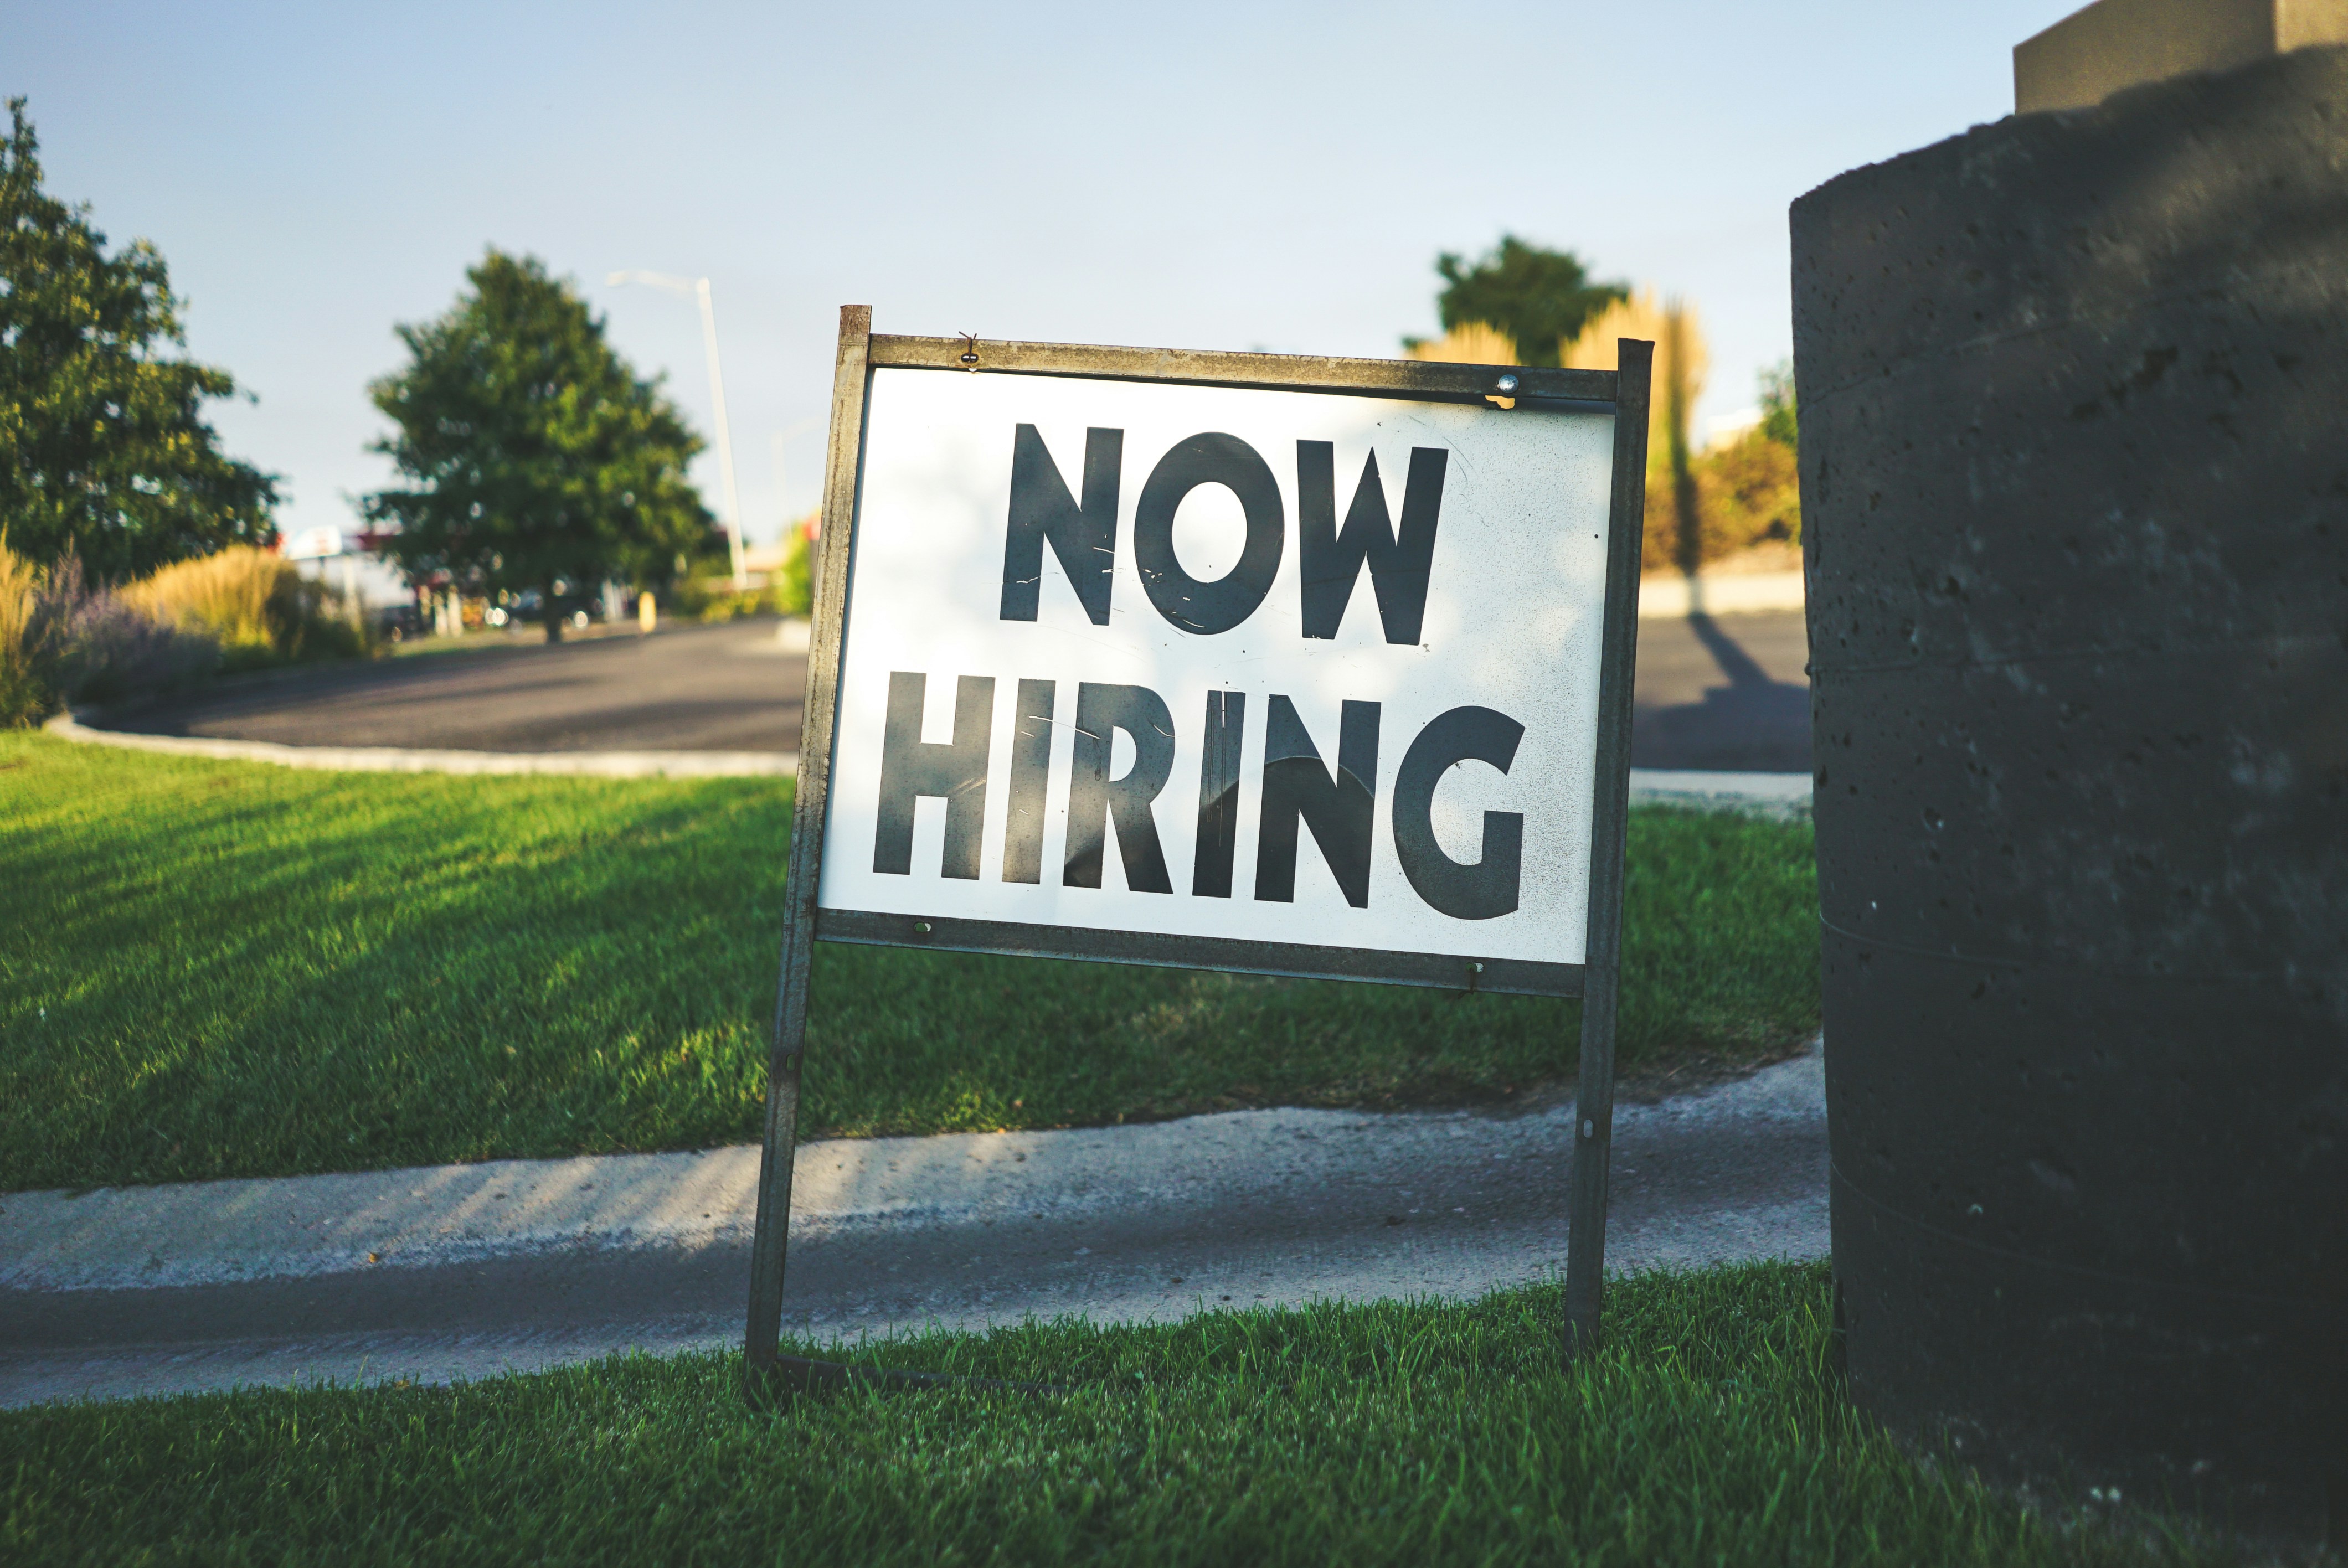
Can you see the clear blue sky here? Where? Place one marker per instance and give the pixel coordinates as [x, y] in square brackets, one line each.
[1205, 176]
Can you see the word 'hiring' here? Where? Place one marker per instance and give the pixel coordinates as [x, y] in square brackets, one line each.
[1337, 806]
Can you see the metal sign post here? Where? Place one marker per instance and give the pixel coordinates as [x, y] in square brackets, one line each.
[1378, 615]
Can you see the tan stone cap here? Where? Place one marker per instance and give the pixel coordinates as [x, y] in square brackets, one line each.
[2113, 44]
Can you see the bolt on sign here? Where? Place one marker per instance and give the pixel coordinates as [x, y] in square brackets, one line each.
[1257, 662]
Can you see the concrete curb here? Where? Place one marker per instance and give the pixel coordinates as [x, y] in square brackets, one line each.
[1667, 596]
[178, 1234]
[465, 1270]
[1761, 795]
[412, 760]
[1784, 794]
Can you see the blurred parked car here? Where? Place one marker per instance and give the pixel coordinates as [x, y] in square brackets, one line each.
[524, 609]
[399, 622]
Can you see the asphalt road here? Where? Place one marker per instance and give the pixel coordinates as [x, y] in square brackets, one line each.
[1719, 692]
[1724, 692]
[728, 687]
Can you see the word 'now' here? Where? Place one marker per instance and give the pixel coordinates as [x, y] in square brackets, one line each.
[1083, 533]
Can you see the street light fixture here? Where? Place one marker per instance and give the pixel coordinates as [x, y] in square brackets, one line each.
[698, 288]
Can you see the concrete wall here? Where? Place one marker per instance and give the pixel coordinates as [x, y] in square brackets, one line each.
[2113, 44]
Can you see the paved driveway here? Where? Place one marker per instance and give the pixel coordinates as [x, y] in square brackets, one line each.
[1726, 691]
[731, 688]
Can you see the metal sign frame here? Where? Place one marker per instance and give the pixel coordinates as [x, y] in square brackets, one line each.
[1623, 393]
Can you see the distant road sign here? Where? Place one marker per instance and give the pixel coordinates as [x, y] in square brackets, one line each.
[313, 543]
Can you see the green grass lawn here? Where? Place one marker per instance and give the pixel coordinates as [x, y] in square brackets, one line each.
[213, 968]
[1710, 1428]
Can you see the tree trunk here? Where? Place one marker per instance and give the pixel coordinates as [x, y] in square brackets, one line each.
[549, 607]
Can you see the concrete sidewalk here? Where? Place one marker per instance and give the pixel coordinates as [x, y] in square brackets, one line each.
[429, 760]
[467, 1270]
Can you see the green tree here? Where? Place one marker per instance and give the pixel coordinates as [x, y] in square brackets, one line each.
[1778, 420]
[1540, 298]
[535, 456]
[104, 449]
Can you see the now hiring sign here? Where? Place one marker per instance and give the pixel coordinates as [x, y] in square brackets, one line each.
[1222, 662]
[1241, 661]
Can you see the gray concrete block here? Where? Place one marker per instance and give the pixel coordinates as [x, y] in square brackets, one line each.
[2076, 518]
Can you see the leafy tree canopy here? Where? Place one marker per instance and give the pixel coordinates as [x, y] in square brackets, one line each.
[104, 449]
[1540, 298]
[1779, 419]
[534, 455]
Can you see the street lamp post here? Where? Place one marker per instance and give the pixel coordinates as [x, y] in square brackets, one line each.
[699, 288]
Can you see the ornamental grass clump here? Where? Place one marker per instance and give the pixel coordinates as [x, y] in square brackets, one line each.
[108, 648]
[24, 694]
[258, 606]
[1703, 505]
[63, 640]
[1469, 342]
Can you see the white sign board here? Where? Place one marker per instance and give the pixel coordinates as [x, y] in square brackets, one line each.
[313, 543]
[1222, 662]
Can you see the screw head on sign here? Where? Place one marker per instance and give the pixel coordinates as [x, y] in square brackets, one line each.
[1508, 385]
[922, 927]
